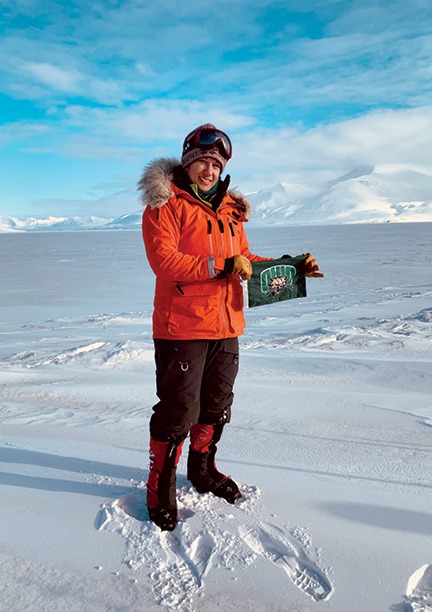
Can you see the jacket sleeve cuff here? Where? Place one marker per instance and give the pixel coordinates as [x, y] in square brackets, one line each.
[228, 268]
[215, 265]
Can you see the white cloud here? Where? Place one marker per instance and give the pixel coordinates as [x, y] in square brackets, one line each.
[108, 205]
[156, 120]
[57, 78]
[152, 122]
[22, 130]
[401, 137]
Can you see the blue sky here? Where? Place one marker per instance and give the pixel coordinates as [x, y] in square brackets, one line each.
[308, 90]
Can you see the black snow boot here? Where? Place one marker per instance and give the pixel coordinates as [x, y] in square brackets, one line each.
[161, 484]
[201, 467]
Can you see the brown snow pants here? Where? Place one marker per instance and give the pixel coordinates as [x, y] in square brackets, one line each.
[194, 384]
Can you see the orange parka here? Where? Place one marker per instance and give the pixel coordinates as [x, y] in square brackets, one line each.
[186, 244]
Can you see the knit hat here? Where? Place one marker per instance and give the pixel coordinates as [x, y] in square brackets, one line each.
[193, 155]
[206, 141]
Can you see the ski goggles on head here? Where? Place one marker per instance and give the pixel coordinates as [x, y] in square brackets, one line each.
[208, 137]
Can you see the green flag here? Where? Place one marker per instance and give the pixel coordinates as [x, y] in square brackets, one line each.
[275, 281]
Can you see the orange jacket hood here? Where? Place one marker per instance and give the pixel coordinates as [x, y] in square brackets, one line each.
[156, 186]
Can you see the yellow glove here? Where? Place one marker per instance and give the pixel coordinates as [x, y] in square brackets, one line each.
[242, 266]
[309, 267]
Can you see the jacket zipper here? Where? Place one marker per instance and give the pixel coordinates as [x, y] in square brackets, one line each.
[226, 254]
[210, 232]
[231, 236]
[222, 233]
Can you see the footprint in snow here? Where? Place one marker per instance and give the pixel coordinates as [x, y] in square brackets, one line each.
[273, 544]
[201, 552]
[419, 590]
[181, 576]
[212, 535]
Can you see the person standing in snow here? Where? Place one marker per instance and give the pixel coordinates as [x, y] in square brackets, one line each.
[197, 247]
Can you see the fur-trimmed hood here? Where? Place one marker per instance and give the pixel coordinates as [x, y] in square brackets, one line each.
[155, 186]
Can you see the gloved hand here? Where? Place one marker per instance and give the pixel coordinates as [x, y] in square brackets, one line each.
[242, 266]
[309, 267]
[238, 264]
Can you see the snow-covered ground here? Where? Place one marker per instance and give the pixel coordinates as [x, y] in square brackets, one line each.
[330, 440]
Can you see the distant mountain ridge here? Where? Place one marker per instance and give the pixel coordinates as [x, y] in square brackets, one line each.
[366, 194]
[51, 223]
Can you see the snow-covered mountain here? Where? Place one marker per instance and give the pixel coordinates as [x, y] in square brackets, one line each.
[13, 224]
[128, 221]
[365, 195]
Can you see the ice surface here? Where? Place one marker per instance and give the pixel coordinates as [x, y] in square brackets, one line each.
[330, 438]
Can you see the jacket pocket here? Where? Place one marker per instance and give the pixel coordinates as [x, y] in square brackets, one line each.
[195, 310]
[235, 305]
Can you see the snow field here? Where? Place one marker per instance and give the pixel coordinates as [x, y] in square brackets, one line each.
[330, 438]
